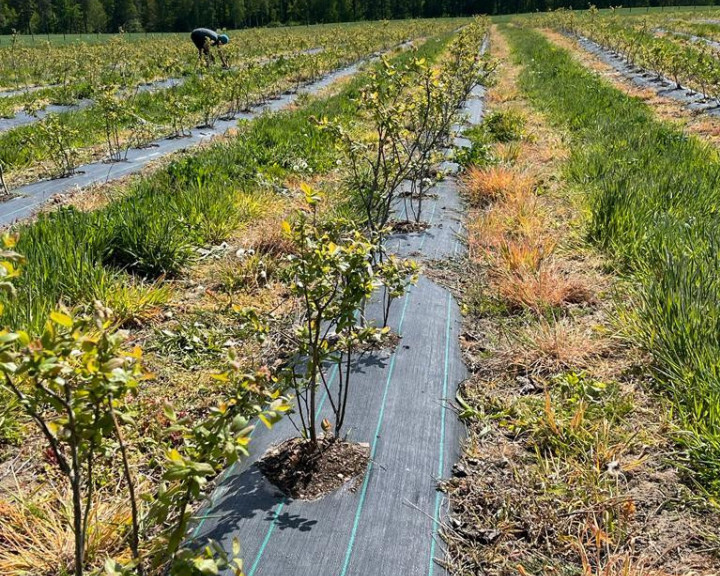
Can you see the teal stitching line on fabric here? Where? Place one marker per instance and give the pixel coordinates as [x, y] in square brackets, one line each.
[282, 504]
[391, 369]
[441, 464]
[271, 529]
[441, 457]
[266, 540]
[363, 492]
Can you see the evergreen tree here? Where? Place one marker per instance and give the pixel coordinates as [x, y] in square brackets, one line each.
[95, 17]
[58, 16]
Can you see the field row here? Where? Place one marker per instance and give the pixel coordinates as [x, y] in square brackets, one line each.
[80, 68]
[128, 254]
[591, 325]
[654, 192]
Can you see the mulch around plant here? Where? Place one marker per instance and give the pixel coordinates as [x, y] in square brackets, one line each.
[408, 226]
[302, 472]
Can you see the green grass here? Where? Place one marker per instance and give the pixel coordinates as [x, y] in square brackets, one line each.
[654, 195]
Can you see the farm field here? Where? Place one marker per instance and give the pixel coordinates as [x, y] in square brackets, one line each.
[419, 297]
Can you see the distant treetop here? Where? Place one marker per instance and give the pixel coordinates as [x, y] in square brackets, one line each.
[84, 16]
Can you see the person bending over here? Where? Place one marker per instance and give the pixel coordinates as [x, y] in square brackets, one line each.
[205, 39]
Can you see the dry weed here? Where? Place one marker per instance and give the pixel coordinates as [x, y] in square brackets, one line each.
[485, 185]
[509, 152]
[548, 347]
[541, 287]
[267, 238]
[37, 538]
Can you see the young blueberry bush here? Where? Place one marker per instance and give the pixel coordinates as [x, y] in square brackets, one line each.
[74, 381]
[332, 275]
[410, 108]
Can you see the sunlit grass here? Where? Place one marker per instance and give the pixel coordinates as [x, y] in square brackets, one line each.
[655, 199]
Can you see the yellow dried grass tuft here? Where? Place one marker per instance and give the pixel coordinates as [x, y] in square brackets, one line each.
[36, 535]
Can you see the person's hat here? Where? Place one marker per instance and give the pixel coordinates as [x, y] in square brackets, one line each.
[224, 39]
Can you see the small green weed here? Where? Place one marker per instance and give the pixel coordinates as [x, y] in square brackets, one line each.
[505, 125]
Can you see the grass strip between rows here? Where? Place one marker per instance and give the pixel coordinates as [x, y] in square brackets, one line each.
[654, 195]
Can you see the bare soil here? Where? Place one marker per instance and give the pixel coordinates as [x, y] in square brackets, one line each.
[408, 226]
[303, 472]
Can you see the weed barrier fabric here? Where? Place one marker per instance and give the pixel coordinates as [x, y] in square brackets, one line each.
[27, 199]
[386, 523]
[28, 90]
[23, 118]
[646, 79]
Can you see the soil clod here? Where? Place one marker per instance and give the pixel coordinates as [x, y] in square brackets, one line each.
[305, 472]
[408, 226]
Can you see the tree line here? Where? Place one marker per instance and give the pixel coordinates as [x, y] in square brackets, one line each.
[86, 16]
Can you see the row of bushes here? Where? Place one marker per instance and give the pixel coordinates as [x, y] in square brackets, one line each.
[87, 423]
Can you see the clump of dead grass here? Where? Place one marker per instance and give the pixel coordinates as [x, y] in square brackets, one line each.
[508, 153]
[36, 535]
[519, 249]
[267, 238]
[504, 92]
[549, 347]
[488, 184]
[513, 235]
[540, 286]
[514, 218]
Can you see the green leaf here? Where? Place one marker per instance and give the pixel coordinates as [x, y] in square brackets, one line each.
[61, 319]
[206, 566]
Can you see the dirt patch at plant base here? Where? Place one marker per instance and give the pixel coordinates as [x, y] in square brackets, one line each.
[408, 226]
[304, 473]
[388, 342]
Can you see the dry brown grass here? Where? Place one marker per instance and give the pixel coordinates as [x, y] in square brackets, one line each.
[509, 152]
[514, 237]
[266, 237]
[600, 556]
[504, 94]
[524, 254]
[545, 287]
[485, 185]
[548, 347]
[36, 535]
[519, 218]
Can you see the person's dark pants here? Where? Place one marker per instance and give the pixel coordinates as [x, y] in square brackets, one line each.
[202, 43]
